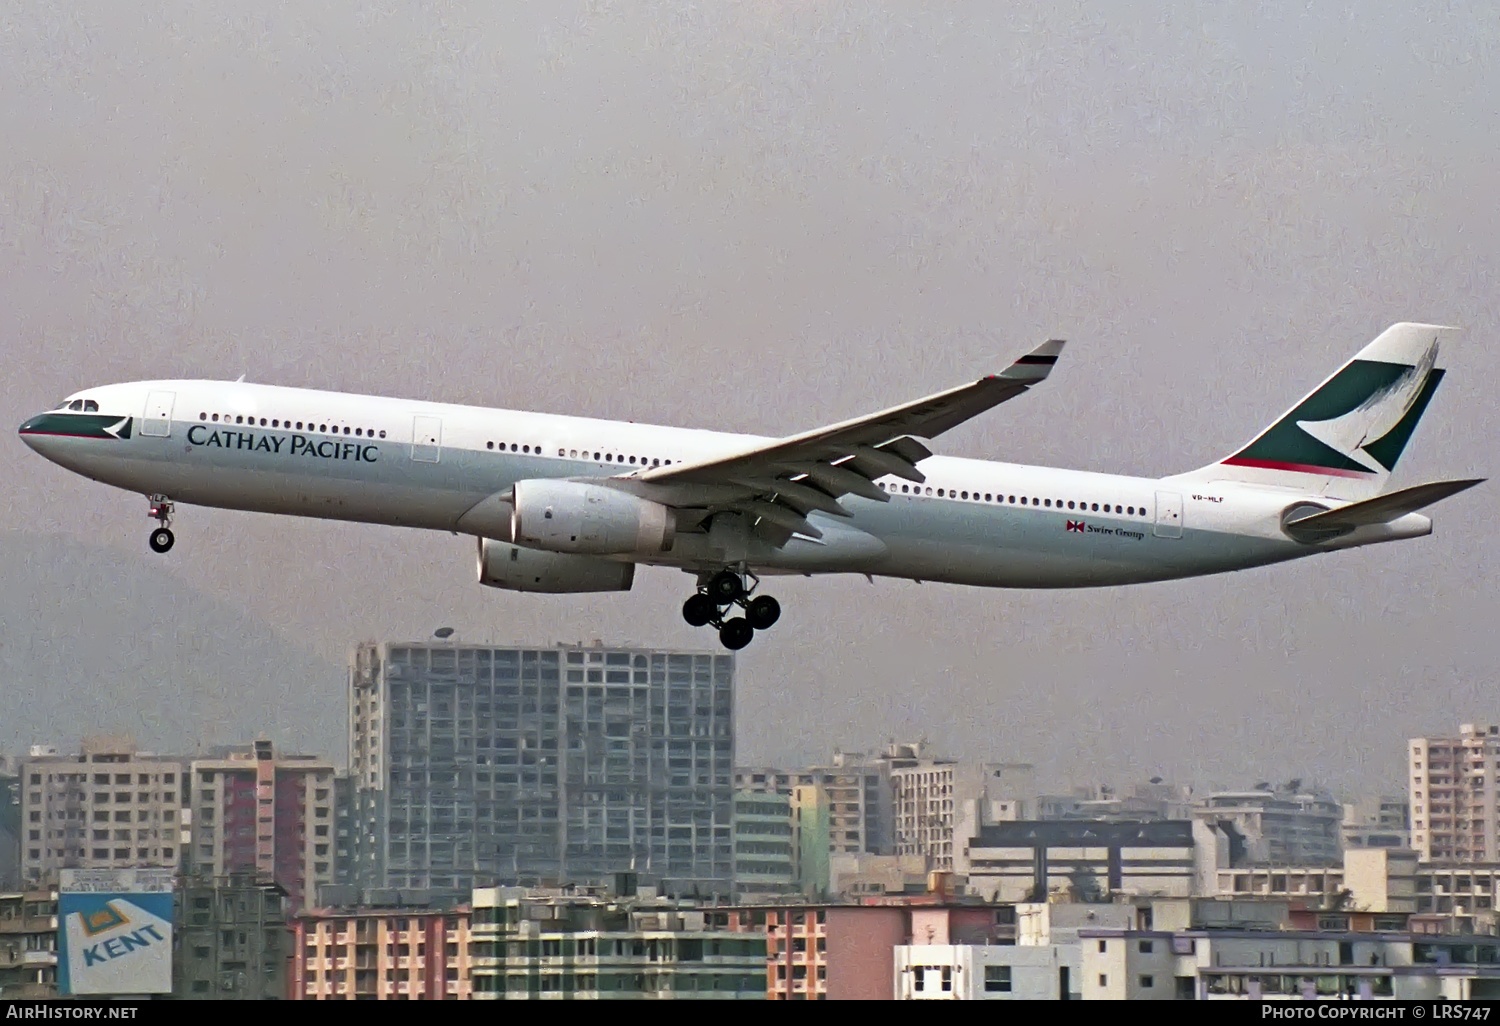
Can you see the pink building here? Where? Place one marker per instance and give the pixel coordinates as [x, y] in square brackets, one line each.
[847, 952]
[382, 955]
[269, 816]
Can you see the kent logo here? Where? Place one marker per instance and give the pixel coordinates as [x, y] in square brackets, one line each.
[124, 944]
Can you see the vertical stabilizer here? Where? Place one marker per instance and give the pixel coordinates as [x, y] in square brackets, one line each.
[1345, 436]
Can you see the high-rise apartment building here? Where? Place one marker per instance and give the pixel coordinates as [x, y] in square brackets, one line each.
[1286, 826]
[764, 852]
[1455, 796]
[858, 799]
[265, 816]
[108, 807]
[481, 764]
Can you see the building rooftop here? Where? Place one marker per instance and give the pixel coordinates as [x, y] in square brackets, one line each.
[1065, 833]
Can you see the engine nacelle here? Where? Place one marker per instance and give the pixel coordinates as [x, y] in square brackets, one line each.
[516, 568]
[568, 516]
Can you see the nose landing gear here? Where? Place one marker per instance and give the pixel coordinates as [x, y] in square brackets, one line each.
[161, 510]
[718, 595]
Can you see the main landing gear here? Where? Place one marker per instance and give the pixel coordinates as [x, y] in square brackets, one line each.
[718, 595]
[161, 511]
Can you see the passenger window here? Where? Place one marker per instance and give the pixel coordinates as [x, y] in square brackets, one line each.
[514, 447]
[382, 434]
[346, 429]
[963, 495]
[655, 461]
[1070, 503]
[1096, 507]
[596, 456]
[1130, 510]
[1046, 502]
[632, 459]
[573, 453]
[1011, 499]
[562, 452]
[489, 445]
[322, 427]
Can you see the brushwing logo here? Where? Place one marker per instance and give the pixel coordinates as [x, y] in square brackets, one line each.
[1075, 525]
[1377, 416]
[115, 932]
[1354, 426]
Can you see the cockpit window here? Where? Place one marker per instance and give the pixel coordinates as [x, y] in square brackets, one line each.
[76, 404]
[79, 405]
[89, 406]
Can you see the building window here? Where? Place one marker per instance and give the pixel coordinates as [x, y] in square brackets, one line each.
[1102, 947]
[997, 978]
[1103, 980]
[1147, 982]
[1145, 947]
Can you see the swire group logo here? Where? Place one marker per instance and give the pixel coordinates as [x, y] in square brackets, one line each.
[1075, 525]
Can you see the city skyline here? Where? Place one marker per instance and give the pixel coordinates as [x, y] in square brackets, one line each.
[758, 219]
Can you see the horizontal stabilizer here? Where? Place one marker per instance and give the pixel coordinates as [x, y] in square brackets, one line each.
[1379, 510]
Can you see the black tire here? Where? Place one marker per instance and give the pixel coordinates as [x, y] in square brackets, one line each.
[736, 634]
[725, 587]
[161, 540]
[699, 610]
[763, 612]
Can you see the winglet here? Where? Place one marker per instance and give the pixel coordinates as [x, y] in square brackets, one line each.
[1035, 365]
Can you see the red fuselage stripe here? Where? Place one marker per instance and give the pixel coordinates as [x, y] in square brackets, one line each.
[1296, 468]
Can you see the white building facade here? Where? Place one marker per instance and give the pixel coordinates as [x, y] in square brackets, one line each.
[108, 807]
[1455, 796]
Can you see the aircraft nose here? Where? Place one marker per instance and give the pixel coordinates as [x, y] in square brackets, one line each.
[33, 433]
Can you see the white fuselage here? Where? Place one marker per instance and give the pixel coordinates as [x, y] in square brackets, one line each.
[429, 465]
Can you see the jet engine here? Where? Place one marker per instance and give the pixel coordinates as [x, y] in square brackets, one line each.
[569, 516]
[516, 568]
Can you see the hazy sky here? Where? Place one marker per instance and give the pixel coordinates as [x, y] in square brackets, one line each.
[765, 216]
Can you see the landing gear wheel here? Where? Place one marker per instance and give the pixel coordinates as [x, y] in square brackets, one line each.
[161, 539]
[736, 633]
[699, 610]
[762, 612]
[725, 587]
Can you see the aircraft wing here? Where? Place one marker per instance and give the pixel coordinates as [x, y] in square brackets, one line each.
[779, 483]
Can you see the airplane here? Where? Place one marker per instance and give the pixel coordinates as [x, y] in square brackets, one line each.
[563, 504]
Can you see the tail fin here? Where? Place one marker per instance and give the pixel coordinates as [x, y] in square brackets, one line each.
[1345, 437]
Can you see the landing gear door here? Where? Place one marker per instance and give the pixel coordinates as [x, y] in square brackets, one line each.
[426, 439]
[1168, 515]
[157, 422]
